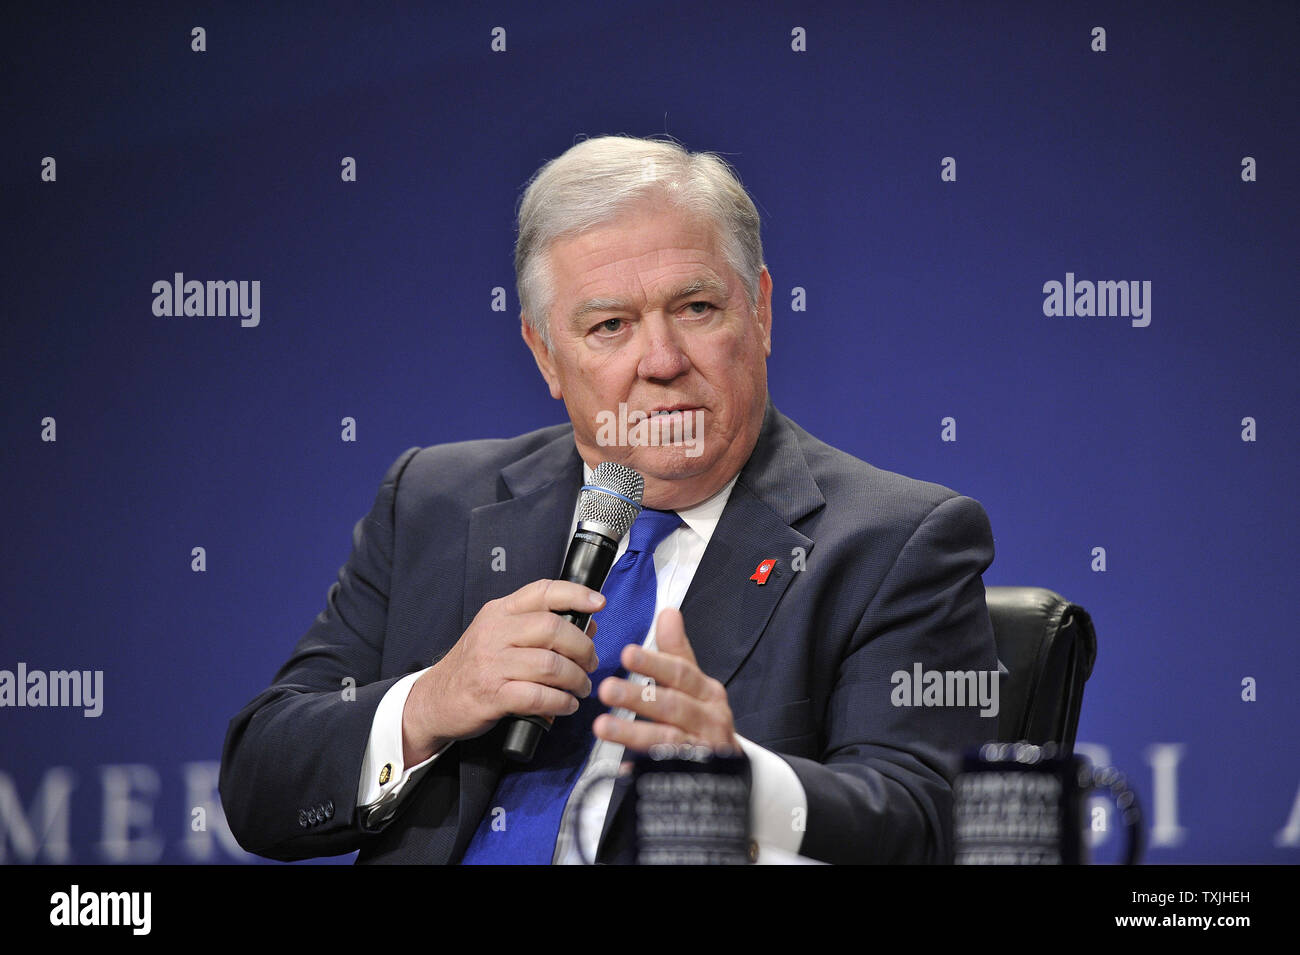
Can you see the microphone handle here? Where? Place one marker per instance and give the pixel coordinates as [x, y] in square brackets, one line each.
[588, 561]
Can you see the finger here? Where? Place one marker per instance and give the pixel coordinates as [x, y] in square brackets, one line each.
[532, 699]
[669, 707]
[640, 736]
[535, 665]
[667, 670]
[670, 634]
[552, 632]
[553, 595]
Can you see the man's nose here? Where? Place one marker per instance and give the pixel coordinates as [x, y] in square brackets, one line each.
[662, 355]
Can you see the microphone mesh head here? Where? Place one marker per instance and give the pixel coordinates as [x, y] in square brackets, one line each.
[595, 504]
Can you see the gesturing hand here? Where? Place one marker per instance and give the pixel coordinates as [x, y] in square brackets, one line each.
[687, 705]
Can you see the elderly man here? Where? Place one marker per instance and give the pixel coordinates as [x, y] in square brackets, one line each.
[783, 582]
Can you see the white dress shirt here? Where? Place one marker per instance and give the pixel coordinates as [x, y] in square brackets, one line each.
[777, 798]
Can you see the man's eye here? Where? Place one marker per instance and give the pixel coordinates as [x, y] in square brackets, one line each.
[610, 325]
[707, 307]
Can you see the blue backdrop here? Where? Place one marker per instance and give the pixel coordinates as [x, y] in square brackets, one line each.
[923, 171]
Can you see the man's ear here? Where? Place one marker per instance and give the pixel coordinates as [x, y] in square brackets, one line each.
[763, 309]
[541, 355]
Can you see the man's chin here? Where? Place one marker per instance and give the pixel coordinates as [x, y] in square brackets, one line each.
[674, 481]
[669, 462]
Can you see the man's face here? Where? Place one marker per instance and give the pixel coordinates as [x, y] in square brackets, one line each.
[646, 317]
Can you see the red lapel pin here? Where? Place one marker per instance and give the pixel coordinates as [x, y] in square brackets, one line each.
[764, 569]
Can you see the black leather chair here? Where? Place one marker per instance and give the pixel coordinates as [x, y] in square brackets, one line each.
[1048, 646]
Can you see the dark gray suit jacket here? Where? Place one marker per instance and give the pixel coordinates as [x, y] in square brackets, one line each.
[889, 576]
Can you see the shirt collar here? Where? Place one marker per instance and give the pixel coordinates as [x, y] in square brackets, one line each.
[703, 517]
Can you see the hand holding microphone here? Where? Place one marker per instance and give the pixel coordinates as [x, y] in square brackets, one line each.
[525, 656]
[607, 507]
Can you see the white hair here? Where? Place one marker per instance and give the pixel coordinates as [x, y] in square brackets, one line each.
[597, 179]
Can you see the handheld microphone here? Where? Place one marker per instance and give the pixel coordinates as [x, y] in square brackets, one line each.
[606, 509]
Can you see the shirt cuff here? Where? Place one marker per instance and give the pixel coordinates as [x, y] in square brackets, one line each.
[383, 775]
[778, 805]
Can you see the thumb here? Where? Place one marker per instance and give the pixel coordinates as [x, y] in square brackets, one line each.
[670, 635]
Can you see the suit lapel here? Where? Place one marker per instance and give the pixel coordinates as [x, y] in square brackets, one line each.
[540, 491]
[725, 611]
[529, 526]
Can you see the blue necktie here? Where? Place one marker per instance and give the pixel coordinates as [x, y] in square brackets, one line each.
[533, 795]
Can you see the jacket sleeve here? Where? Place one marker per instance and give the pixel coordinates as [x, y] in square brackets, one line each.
[882, 790]
[292, 757]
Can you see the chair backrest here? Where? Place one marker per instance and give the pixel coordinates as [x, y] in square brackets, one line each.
[1048, 646]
